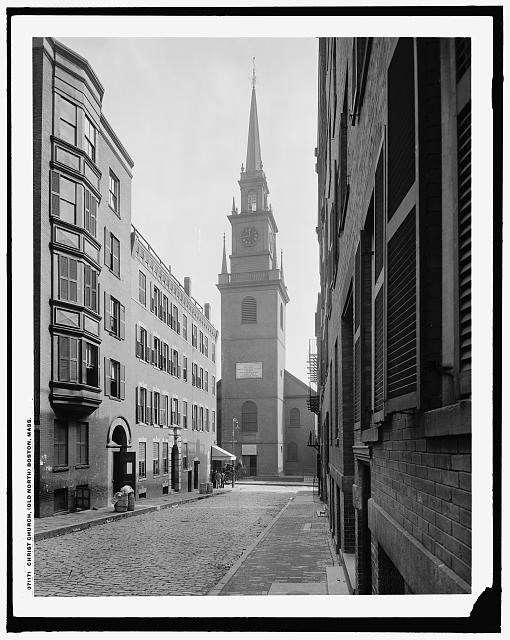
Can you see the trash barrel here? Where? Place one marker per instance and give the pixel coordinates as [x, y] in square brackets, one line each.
[203, 487]
[122, 503]
[209, 487]
[131, 501]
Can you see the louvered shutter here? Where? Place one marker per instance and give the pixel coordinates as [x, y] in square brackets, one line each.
[55, 193]
[107, 379]
[464, 243]
[83, 348]
[401, 347]
[107, 317]
[122, 382]
[357, 336]
[122, 334]
[63, 358]
[107, 252]
[378, 290]
[137, 406]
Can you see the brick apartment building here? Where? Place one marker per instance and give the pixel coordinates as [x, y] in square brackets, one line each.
[393, 322]
[124, 357]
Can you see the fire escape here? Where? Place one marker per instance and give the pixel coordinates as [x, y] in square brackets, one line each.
[313, 396]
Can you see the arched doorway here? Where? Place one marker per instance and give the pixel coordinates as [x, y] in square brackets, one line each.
[123, 469]
[174, 469]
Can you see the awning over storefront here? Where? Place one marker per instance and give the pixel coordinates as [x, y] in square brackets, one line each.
[217, 453]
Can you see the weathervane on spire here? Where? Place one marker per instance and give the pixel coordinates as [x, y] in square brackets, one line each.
[253, 77]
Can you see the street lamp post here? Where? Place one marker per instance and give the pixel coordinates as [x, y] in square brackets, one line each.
[235, 423]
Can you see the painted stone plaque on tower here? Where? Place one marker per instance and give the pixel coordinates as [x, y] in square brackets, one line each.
[248, 370]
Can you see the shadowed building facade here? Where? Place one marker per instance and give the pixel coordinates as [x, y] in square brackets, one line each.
[253, 323]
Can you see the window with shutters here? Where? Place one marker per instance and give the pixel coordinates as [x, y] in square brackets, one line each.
[112, 252]
[82, 443]
[90, 217]
[90, 280]
[378, 291]
[68, 359]
[142, 459]
[201, 343]
[175, 369]
[141, 404]
[193, 374]
[89, 133]
[115, 379]
[347, 372]
[142, 289]
[184, 326]
[67, 207]
[156, 352]
[249, 416]
[164, 310]
[401, 234]
[184, 414]
[114, 193]
[249, 310]
[361, 48]
[194, 416]
[60, 443]
[68, 279]
[155, 458]
[200, 384]
[295, 417]
[157, 408]
[206, 346]
[90, 364]
[194, 335]
[213, 385]
[207, 419]
[174, 412]
[201, 418]
[185, 368]
[115, 317]
[67, 120]
[164, 458]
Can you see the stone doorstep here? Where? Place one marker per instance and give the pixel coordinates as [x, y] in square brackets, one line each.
[111, 516]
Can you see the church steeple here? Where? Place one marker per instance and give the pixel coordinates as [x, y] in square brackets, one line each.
[224, 261]
[253, 157]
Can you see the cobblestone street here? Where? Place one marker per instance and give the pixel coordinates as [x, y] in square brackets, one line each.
[183, 550]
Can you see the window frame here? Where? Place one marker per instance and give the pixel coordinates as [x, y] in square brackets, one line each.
[60, 444]
[114, 196]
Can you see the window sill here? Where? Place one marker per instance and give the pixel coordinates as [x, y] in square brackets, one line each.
[117, 213]
[373, 434]
[61, 468]
[82, 466]
[452, 420]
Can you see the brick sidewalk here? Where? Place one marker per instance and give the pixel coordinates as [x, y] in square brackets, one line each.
[292, 556]
[69, 522]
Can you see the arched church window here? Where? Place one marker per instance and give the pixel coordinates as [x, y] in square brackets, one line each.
[252, 201]
[295, 417]
[249, 416]
[249, 310]
[292, 452]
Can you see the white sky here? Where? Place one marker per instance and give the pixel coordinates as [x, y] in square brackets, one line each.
[180, 106]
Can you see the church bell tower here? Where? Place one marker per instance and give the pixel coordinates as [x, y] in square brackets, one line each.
[253, 322]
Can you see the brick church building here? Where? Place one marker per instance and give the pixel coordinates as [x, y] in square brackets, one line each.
[264, 416]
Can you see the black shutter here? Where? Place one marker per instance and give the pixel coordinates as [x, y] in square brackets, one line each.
[83, 362]
[107, 379]
[107, 317]
[357, 335]
[401, 310]
[464, 231]
[401, 125]
[122, 382]
[379, 351]
[55, 193]
[137, 407]
[122, 318]
[107, 252]
[379, 215]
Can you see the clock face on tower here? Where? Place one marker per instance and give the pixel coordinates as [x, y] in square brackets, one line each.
[249, 236]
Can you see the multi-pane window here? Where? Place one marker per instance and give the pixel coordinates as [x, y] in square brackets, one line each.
[214, 421]
[91, 376]
[194, 416]
[90, 139]
[157, 352]
[115, 379]
[201, 414]
[67, 120]
[200, 381]
[142, 456]
[165, 457]
[201, 342]
[213, 385]
[90, 288]
[206, 381]
[184, 414]
[141, 404]
[174, 320]
[175, 370]
[82, 443]
[207, 419]
[206, 346]
[165, 357]
[112, 252]
[115, 315]
[143, 348]
[185, 326]
[90, 218]
[60, 443]
[155, 458]
[185, 368]
[68, 359]
[114, 192]
[68, 279]
[194, 335]
[157, 407]
[193, 374]
[164, 410]
[165, 309]
[142, 288]
[175, 411]
[67, 207]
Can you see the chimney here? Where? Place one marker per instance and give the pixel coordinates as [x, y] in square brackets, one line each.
[207, 310]
[187, 285]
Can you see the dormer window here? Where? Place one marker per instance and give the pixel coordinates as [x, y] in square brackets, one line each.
[252, 201]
